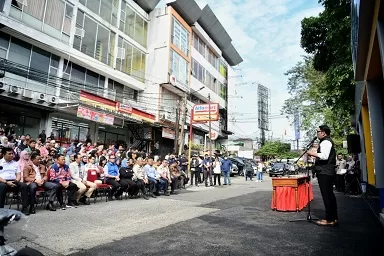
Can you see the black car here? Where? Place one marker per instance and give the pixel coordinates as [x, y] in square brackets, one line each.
[278, 169]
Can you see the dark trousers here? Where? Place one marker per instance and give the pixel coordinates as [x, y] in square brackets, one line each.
[218, 177]
[175, 180]
[140, 186]
[196, 175]
[117, 189]
[208, 174]
[4, 188]
[340, 183]
[28, 193]
[132, 186]
[326, 189]
[163, 184]
[71, 192]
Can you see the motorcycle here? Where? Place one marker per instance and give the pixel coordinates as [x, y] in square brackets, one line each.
[8, 216]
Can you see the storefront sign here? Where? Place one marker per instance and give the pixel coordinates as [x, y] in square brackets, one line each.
[201, 113]
[95, 116]
[168, 133]
[139, 114]
[124, 108]
[98, 101]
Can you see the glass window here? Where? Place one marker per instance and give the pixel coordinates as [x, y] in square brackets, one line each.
[111, 53]
[139, 30]
[40, 61]
[127, 61]
[92, 79]
[130, 22]
[102, 44]
[4, 40]
[93, 5]
[106, 10]
[89, 39]
[33, 13]
[78, 74]
[54, 13]
[136, 64]
[19, 52]
[179, 68]
[180, 36]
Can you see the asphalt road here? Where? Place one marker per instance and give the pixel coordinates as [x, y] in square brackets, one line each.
[235, 220]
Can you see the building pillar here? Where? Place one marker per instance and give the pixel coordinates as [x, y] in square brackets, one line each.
[46, 123]
[374, 95]
[362, 155]
[60, 71]
[94, 131]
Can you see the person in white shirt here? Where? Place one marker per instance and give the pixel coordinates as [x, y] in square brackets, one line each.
[79, 177]
[260, 167]
[10, 175]
[217, 171]
[141, 178]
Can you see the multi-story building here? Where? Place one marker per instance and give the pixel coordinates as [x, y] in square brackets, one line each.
[192, 54]
[75, 68]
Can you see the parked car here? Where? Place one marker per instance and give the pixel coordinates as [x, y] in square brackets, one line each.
[278, 169]
[239, 163]
[234, 170]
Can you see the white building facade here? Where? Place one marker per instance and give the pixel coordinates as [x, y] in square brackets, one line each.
[76, 68]
[194, 59]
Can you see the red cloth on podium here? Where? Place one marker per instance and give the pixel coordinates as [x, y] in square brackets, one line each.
[286, 197]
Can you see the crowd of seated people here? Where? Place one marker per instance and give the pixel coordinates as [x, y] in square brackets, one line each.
[29, 167]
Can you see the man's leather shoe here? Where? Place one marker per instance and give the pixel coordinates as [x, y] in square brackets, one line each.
[50, 207]
[32, 210]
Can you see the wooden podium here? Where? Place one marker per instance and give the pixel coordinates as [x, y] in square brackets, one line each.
[290, 193]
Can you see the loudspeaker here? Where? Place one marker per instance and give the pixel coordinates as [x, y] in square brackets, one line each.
[353, 141]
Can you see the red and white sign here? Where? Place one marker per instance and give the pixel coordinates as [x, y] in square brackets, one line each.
[96, 116]
[124, 108]
[206, 112]
[168, 133]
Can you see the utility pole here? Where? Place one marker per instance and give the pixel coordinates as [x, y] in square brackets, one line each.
[177, 125]
[209, 117]
[183, 122]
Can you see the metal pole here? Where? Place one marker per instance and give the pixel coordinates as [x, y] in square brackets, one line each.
[183, 122]
[209, 117]
[205, 142]
[190, 141]
[177, 126]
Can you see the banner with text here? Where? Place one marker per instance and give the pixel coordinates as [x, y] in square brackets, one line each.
[95, 116]
[201, 112]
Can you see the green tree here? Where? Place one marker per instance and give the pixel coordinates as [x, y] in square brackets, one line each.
[322, 86]
[276, 149]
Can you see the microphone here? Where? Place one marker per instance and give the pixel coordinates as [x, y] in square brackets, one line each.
[312, 141]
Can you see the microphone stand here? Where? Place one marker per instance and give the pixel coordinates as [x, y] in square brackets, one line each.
[309, 217]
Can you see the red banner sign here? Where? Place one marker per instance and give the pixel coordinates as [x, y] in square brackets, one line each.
[124, 108]
[96, 100]
[92, 115]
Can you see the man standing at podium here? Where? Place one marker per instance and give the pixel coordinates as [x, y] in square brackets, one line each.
[325, 173]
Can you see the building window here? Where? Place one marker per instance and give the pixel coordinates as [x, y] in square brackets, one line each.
[130, 60]
[77, 78]
[97, 42]
[168, 103]
[180, 36]
[107, 9]
[32, 68]
[223, 91]
[52, 17]
[198, 71]
[124, 94]
[133, 25]
[211, 57]
[198, 44]
[179, 68]
[223, 69]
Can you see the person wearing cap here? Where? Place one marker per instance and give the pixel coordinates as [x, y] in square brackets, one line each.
[325, 172]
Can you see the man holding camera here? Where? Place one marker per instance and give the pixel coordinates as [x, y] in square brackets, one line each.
[10, 175]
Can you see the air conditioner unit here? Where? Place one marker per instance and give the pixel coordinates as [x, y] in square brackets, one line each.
[3, 86]
[13, 89]
[41, 97]
[28, 94]
[120, 53]
[52, 100]
[169, 116]
[79, 32]
[162, 116]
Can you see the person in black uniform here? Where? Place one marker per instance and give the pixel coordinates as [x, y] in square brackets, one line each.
[325, 173]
